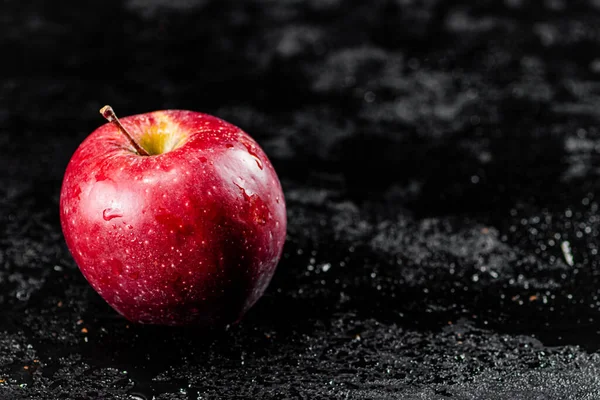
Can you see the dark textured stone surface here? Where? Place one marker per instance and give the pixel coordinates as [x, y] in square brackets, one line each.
[440, 162]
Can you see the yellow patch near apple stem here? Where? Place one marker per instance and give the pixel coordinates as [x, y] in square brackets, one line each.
[161, 137]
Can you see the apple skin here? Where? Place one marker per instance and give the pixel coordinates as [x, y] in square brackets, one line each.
[191, 236]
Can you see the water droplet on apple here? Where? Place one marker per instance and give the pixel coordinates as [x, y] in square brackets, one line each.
[252, 150]
[111, 213]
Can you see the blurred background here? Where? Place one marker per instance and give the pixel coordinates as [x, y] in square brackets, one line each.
[440, 164]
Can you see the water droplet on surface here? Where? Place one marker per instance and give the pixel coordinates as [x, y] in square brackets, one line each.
[138, 396]
[22, 295]
[111, 213]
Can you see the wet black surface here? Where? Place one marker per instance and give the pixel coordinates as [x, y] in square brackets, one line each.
[440, 162]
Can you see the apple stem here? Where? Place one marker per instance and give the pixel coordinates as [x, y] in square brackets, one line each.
[108, 113]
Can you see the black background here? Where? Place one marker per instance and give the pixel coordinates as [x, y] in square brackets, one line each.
[440, 164]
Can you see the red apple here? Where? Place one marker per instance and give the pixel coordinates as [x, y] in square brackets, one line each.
[174, 217]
